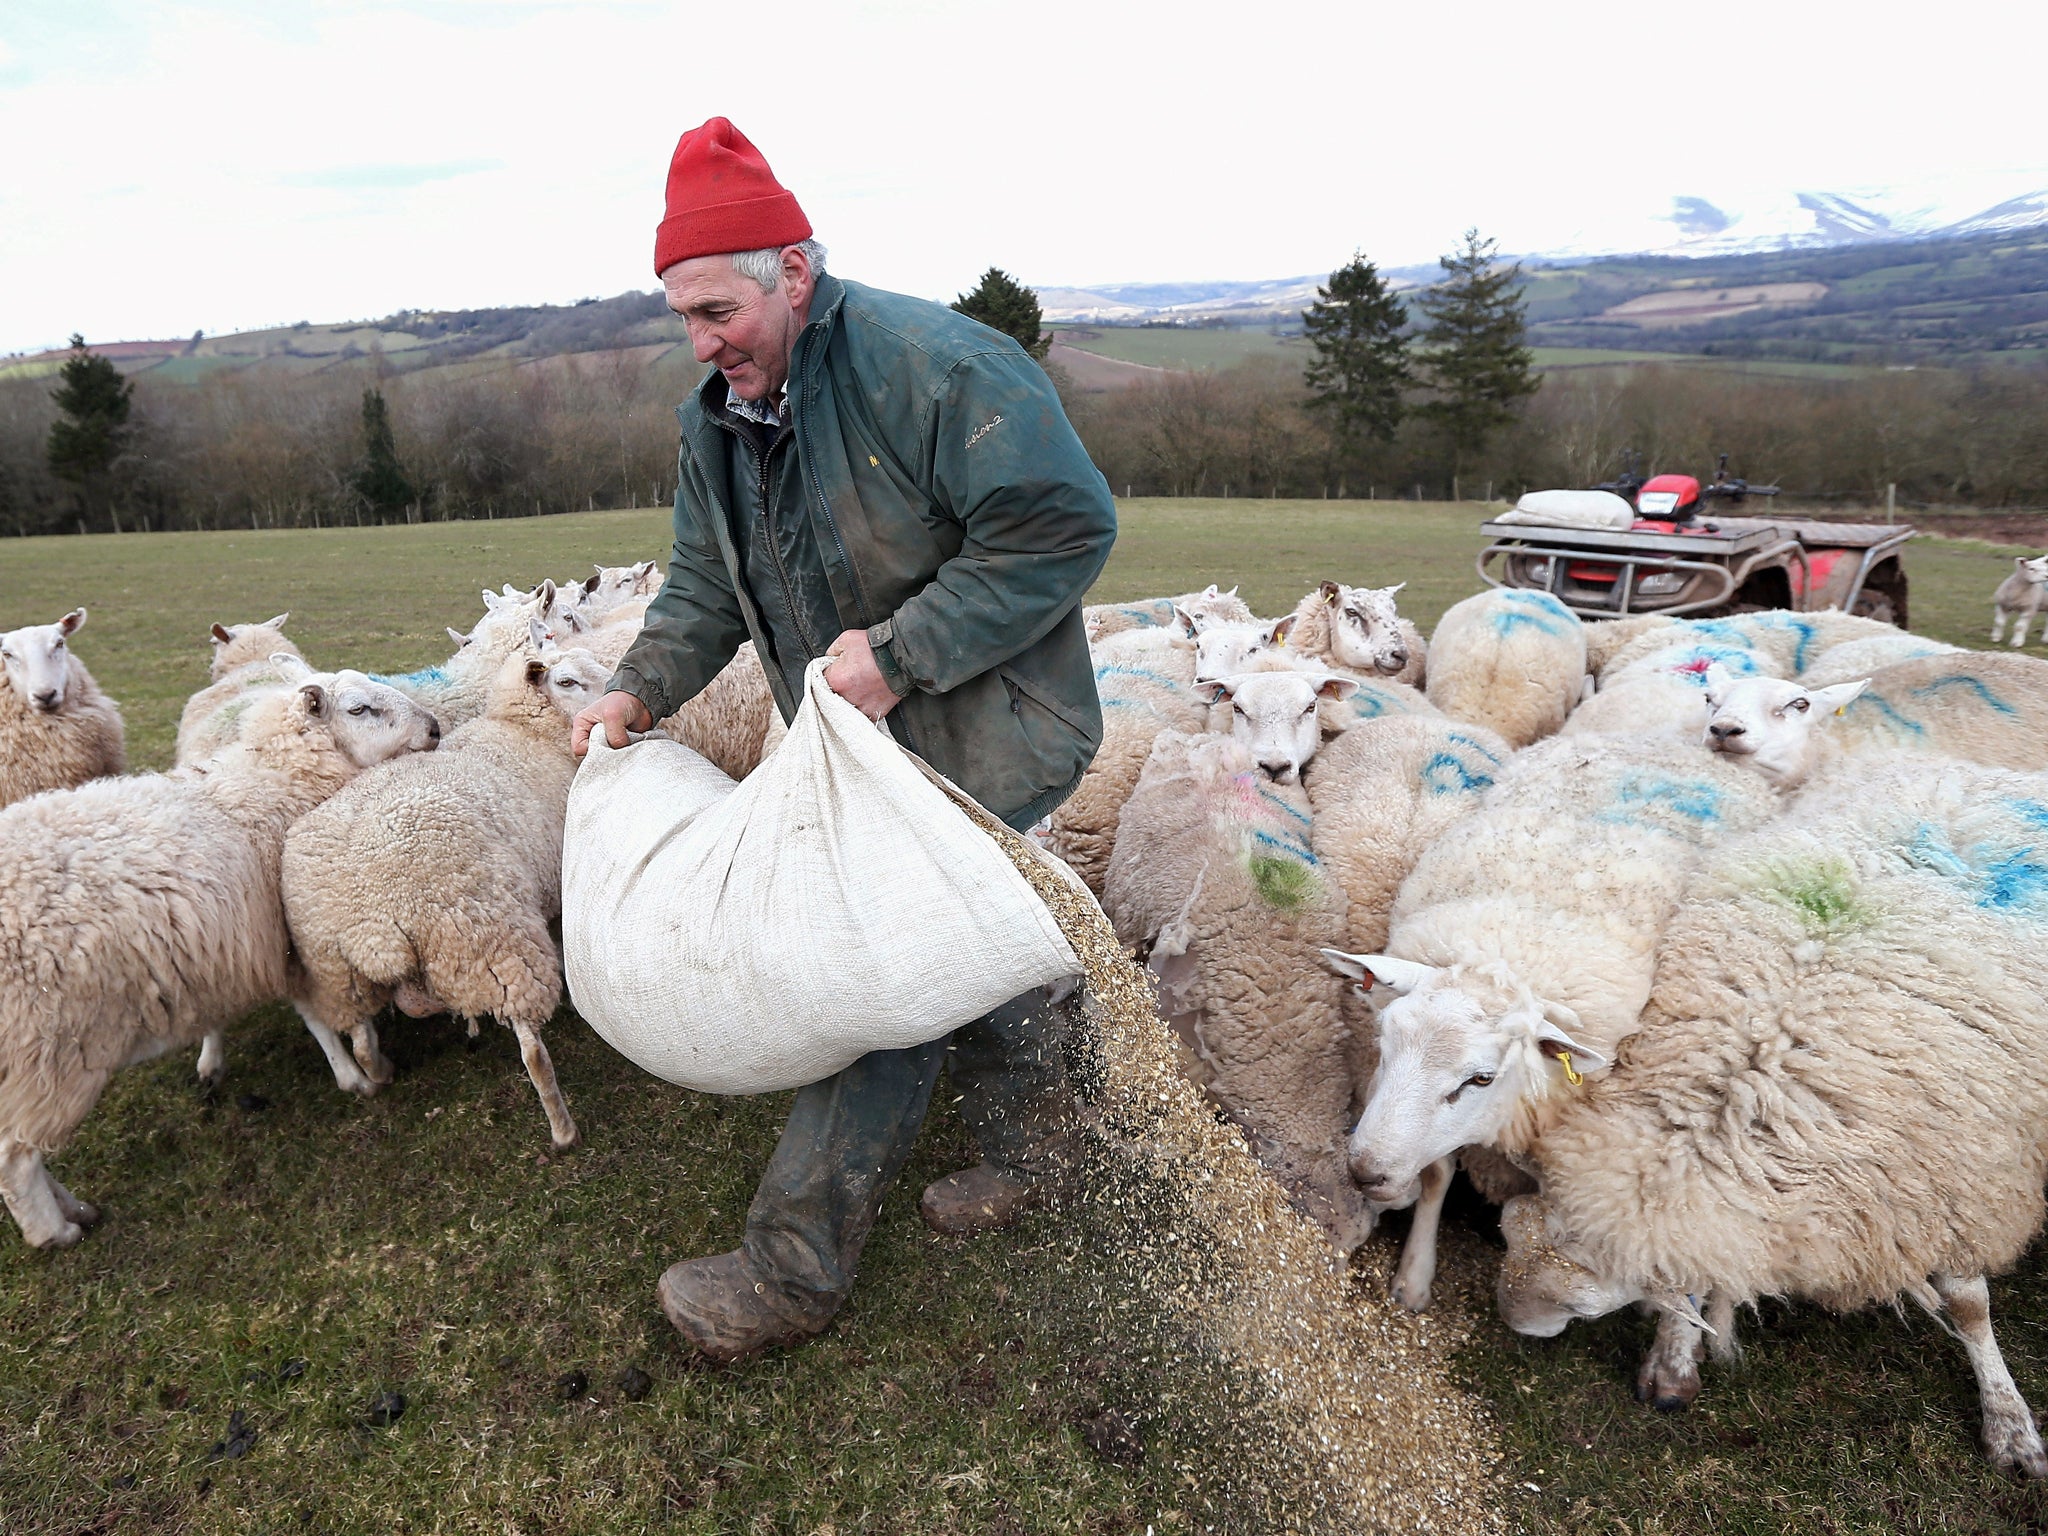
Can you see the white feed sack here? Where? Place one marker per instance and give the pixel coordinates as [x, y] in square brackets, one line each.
[1571, 509]
[747, 937]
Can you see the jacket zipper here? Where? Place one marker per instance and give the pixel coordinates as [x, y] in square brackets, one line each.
[761, 463]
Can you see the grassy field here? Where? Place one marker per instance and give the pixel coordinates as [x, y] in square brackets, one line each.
[290, 1253]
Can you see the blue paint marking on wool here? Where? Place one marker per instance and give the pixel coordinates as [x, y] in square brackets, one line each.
[1869, 700]
[1695, 800]
[1975, 685]
[1692, 666]
[1278, 804]
[1293, 847]
[1445, 775]
[426, 677]
[2015, 880]
[2000, 879]
[1805, 629]
[1143, 674]
[1549, 617]
[2030, 811]
[1457, 739]
[1367, 706]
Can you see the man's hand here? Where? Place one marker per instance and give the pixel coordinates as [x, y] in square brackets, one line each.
[618, 713]
[855, 677]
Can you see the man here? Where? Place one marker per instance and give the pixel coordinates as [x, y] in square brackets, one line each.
[880, 480]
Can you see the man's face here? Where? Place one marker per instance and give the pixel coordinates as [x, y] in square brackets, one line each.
[744, 332]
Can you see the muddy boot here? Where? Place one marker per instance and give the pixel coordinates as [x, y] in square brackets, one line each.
[727, 1310]
[984, 1198]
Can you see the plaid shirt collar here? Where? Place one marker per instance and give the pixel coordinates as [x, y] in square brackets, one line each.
[766, 413]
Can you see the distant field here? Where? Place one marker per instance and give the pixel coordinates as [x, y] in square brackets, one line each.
[422, 1242]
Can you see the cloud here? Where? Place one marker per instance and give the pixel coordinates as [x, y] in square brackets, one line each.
[388, 177]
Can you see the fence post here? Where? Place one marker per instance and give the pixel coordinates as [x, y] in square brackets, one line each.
[1891, 500]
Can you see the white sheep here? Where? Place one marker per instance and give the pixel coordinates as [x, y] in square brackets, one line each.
[56, 728]
[617, 584]
[1214, 879]
[1973, 705]
[1277, 715]
[1520, 951]
[1606, 637]
[1105, 619]
[1793, 641]
[456, 689]
[1512, 661]
[246, 665]
[1663, 692]
[1360, 630]
[431, 881]
[2019, 597]
[1836, 1092]
[144, 913]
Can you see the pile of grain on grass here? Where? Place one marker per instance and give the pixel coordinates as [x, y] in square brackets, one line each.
[1312, 1403]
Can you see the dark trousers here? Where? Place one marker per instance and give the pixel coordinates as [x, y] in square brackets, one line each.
[847, 1138]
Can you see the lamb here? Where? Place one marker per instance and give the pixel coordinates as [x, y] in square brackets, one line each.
[2019, 597]
[431, 881]
[1360, 630]
[1663, 692]
[1214, 879]
[1512, 661]
[56, 728]
[1836, 1092]
[249, 660]
[1521, 950]
[1105, 619]
[1973, 705]
[144, 913]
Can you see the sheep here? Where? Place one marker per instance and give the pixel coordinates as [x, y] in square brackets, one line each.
[1973, 705]
[143, 913]
[249, 660]
[1213, 878]
[56, 728]
[456, 690]
[1836, 1092]
[1663, 691]
[618, 584]
[1605, 637]
[1793, 641]
[1105, 619]
[431, 881]
[1512, 661]
[1520, 951]
[1359, 629]
[2019, 597]
[1145, 679]
[1860, 658]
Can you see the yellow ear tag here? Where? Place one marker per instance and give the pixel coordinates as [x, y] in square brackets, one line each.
[1571, 1073]
[1841, 709]
[875, 463]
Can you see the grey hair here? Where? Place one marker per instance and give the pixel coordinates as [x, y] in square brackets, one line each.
[765, 265]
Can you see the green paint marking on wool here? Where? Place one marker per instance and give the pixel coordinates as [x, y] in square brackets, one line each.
[1823, 894]
[1286, 885]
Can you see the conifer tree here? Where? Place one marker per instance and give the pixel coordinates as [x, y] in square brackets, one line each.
[87, 438]
[1474, 360]
[381, 481]
[1003, 304]
[1361, 362]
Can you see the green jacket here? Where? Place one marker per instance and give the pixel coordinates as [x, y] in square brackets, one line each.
[960, 521]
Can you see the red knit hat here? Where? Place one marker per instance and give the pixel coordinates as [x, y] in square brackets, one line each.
[722, 197]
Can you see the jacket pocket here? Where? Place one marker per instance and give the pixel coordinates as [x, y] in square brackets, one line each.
[1022, 688]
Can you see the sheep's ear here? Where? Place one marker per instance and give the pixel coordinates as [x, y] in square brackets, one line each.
[644, 568]
[1718, 678]
[1281, 629]
[456, 635]
[290, 667]
[545, 594]
[537, 632]
[1554, 1040]
[278, 621]
[315, 697]
[1838, 696]
[1331, 592]
[1210, 590]
[1404, 976]
[72, 622]
[1390, 591]
[536, 672]
[2022, 562]
[220, 634]
[1187, 620]
[1335, 687]
[590, 584]
[493, 602]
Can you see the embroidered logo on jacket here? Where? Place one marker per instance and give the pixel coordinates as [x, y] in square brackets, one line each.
[983, 430]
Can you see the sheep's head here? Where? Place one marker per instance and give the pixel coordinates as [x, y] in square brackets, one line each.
[236, 644]
[37, 661]
[367, 720]
[1542, 1286]
[1223, 647]
[2034, 571]
[1365, 627]
[568, 680]
[1274, 715]
[1463, 1050]
[1769, 723]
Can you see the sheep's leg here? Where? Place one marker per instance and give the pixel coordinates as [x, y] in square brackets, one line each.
[31, 1200]
[1670, 1377]
[213, 1060]
[540, 1070]
[84, 1212]
[2011, 1438]
[1418, 1256]
[1721, 1316]
[2022, 620]
[1997, 625]
[375, 1064]
[347, 1075]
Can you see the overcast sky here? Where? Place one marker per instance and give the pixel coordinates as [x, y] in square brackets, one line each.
[228, 165]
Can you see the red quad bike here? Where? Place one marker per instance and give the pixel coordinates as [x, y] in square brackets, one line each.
[1683, 556]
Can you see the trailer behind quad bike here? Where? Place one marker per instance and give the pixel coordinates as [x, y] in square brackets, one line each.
[1675, 559]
